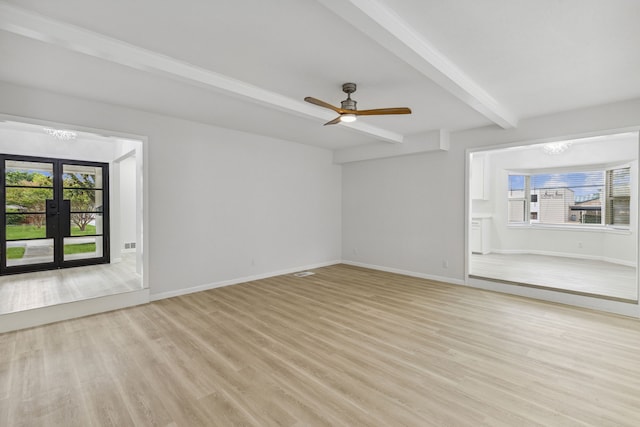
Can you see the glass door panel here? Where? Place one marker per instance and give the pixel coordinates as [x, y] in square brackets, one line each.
[29, 252]
[82, 187]
[82, 247]
[55, 213]
[29, 186]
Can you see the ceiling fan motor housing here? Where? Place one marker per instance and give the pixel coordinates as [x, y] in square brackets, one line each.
[349, 104]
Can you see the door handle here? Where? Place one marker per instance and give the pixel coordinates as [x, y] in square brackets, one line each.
[52, 210]
[65, 211]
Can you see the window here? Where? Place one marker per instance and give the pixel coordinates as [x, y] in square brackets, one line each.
[599, 197]
[569, 198]
[517, 198]
[618, 196]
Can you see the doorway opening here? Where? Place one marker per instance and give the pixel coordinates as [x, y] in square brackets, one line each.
[72, 198]
[559, 216]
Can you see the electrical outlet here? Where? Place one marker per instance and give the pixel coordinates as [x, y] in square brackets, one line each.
[127, 245]
[445, 264]
[579, 244]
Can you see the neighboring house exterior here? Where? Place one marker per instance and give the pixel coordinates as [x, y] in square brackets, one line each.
[556, 206]
[551, 206]
[587, 209]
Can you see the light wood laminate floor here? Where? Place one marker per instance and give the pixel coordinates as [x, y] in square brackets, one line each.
[44, 288]
[344, 347]
[581, 276]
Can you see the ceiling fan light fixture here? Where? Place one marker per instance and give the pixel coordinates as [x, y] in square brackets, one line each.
[348, 118]
[60, 134]
[348, 113]
[553, 148]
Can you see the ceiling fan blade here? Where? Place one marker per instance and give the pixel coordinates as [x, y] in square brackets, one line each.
[382, 111]
[334, 121]
[323, 104]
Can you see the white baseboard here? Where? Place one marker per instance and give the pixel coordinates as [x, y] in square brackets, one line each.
[564, 255]
[213, 285]
[406, 272]
[56, 313]
[619, 262]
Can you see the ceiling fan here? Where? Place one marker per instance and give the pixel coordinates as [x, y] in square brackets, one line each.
[349, 112]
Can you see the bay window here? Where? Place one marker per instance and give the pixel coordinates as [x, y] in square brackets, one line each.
[596, 197]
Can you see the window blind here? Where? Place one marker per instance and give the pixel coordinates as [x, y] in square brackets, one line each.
[618, 196]
[568, 198]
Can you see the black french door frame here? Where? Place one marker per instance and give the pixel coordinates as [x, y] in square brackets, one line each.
[57, 216]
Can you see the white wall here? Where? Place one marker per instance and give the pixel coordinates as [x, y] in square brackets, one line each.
[397, 213]
[127, 196]
[410, 213]
[223, 204]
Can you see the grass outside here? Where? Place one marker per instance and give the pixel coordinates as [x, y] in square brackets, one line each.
[79, 248]
[15, 253]
[19, 232]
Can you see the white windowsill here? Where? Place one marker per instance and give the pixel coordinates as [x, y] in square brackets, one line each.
[595, 228]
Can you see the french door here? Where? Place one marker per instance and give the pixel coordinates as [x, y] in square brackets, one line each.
[55, 213]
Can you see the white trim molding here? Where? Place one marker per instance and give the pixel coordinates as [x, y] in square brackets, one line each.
[436, 278]
[595, 303]
[437, 140]
[214, 285]
[563, 255]
[56, 313]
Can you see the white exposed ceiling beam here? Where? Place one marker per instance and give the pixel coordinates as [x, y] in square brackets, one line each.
[383, 25]
[28, 24]
[435, 140]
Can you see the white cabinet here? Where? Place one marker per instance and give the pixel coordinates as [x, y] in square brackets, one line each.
[479, 176]
[480, 235]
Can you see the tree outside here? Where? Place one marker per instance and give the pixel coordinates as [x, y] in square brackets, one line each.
[29, 198]
[34, 188]
[80, 190]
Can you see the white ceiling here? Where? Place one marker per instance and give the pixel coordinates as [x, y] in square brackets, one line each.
[248, 64]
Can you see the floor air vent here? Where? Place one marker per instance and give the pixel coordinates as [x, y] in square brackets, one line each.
[303, 274]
